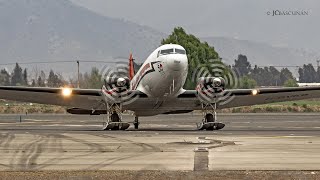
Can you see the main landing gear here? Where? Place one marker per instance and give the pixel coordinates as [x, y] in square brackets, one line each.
[114, 121]
[209, 121]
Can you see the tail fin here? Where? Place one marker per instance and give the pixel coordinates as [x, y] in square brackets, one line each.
[131, 67]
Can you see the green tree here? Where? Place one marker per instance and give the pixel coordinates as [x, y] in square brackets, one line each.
[85, 80]
[4, 78]
[54, 80]
[307, 74]
[247, 83]
[270, 76]
[33, 83]
[199, 53]
[290, 83]
[25, 77]
[262, 76]
[40, 82]
[275, 76]
[242, 65]
[285, 75]
[51, 79]
[318, 75]
[16, 78]
[95, 80]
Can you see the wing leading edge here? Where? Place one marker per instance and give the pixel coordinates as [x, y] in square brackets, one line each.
[88, 99]
[248, 97]
[82, 98]
[93, 99]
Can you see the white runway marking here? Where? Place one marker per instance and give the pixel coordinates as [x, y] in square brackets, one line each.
[37, 120]
[72, 125]
[293, 136]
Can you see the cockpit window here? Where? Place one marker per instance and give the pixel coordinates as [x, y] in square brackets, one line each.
[170, 51]
[166, 51]
[180, 51]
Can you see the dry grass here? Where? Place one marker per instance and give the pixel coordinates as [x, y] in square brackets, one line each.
[34, 109]
[274, 109]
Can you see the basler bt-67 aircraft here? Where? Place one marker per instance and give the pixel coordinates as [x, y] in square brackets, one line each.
[157, 88]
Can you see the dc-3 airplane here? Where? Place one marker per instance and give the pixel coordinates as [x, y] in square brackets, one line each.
[157, 88]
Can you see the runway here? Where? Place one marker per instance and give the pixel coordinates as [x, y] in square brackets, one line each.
[165, 142]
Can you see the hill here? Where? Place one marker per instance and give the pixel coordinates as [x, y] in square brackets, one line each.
[260, 53]
[47, 30]
[60, 30]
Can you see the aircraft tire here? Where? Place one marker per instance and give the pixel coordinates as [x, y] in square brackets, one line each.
[210, 117]
[115, 118]
[136, 125]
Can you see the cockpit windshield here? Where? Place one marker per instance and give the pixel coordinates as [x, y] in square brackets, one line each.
[171, 51]
[180, 51]
[166, 51]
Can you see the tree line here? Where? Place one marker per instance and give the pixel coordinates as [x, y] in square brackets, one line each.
[271, 76]
[261, 76]
[19, 77]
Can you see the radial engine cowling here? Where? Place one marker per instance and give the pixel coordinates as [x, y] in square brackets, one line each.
[210, 85]
[117, 89]
[117, 82]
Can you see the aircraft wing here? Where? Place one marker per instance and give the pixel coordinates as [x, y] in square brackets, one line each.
[185, 102]
[81, 98]
[247, 97]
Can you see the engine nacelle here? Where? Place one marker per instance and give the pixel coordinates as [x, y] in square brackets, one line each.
[216, 83]
[117, 82]
[117, 89]
[80, 111]
[209, 87]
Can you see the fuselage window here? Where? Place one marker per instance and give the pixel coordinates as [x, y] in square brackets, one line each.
[180, 51]
[166, 51]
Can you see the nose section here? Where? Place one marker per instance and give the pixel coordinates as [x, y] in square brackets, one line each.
[177, 62]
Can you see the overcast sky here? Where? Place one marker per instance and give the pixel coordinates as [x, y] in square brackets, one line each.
[241, 19]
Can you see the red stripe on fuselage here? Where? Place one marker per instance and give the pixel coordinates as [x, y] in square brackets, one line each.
[140, 75]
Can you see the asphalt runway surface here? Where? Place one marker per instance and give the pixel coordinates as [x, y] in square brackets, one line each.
[249, 142]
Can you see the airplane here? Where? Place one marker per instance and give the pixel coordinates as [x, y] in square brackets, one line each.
[157, 88]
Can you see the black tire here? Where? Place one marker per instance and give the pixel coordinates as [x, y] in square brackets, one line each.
[115, 118]
[136, 122]
[210, 118]
[136, 125]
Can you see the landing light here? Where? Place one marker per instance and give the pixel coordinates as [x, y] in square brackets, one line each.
[254, 92]
[66, 92]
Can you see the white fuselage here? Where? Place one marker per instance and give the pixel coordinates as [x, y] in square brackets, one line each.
[164, 72]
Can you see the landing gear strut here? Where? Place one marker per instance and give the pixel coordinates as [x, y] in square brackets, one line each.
[136, 122]
[114, 118]
[209, 121]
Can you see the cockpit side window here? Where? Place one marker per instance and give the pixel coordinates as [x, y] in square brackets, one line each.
[166, 51]
[180, 51]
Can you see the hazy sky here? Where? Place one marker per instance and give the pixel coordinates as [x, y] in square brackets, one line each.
[242, 19]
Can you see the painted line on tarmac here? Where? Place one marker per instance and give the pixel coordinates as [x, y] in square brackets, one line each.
[37, 120]
[201, 159]
[72, 125]
[293, 136]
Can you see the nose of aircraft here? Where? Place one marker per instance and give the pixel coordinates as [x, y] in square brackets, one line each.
[177, 62]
